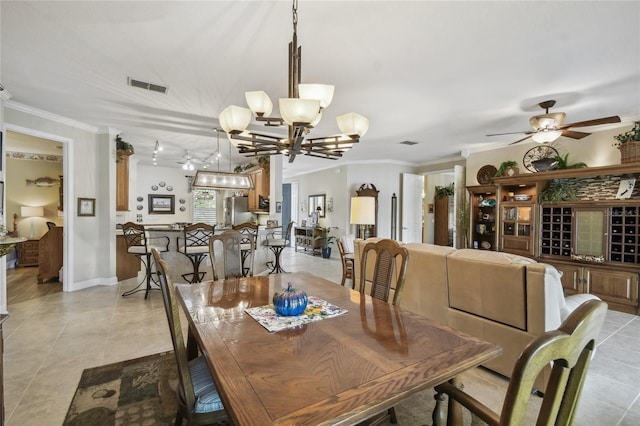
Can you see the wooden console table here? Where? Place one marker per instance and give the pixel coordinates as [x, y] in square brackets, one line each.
[306, 237]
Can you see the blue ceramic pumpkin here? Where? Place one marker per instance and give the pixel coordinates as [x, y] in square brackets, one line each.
[290, 302]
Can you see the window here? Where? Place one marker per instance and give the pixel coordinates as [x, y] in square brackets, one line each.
[204, 206]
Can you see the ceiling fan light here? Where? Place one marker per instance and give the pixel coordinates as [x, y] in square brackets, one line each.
[321, 92]
[543, 121]
[234, 119]
[545, 136]
[259, 103]
[353, 124]
[295, 110]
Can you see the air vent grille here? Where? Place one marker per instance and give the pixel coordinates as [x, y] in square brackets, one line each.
[149, 86]
[408, 143]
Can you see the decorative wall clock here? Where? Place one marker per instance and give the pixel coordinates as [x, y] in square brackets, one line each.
[538, 153]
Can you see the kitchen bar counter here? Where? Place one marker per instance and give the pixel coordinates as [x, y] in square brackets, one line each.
[128, 266]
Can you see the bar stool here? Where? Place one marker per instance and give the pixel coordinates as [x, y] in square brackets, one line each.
[195, 245]
[276, 245]
[249, 233]
[140, 245]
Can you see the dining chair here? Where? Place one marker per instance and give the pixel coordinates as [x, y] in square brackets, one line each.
[228, 245]
[194, 244]
[568, 349]
[140, 244]
[348, 263]
[390, 266]
[249, 233]
[198, 398]
[276, 245]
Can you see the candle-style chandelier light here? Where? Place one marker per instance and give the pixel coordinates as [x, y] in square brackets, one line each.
[300, 112]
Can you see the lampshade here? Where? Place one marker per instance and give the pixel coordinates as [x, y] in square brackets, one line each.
[363, 211]
[545, 135]
[353, 124]
[259, 102]
[234, 119]
[294, 110]
[321, 92]
[29, 211]
[207, 179]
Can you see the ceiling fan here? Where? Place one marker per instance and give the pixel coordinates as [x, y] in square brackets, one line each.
[548, 127]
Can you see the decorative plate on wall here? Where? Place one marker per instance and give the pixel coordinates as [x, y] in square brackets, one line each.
[181, 201]
[140, 199]
[161, 184]
[139, 207]
[182, 208]
[154, 187]
[486, 174]
[169, 188]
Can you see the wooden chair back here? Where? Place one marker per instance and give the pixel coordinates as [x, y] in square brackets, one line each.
[195, 237]
[135, 237]
[570, 349]
[173, 317]
[229, 255]
[390, 262]
[347, 264]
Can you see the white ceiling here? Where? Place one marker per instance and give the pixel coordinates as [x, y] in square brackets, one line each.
[443, 74]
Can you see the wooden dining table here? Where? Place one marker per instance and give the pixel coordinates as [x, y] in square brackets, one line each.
[336, 371]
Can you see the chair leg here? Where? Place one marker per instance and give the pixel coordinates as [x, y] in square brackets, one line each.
[196, 276]
[146, 260]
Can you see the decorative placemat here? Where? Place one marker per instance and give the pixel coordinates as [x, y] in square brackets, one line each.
[317, 309]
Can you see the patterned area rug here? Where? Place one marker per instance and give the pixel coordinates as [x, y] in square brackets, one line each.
[134, 392]
[141, 392]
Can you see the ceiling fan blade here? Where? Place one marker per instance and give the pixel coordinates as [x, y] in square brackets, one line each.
[520, 140]
[574, 134]
[526, 132]
[594, 122]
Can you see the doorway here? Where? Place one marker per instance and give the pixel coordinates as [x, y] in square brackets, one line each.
[35, 166]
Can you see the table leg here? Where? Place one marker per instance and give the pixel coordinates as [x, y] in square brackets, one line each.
[454, 411]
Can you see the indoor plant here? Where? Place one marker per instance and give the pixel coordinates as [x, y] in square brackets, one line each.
[327, 240]
[507, 165]
[122, 146]
[629, 149]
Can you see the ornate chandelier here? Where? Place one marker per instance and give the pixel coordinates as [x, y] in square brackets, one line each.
[301, 111]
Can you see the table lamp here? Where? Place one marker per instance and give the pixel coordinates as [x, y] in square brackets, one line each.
[30, 211]
[363, 212]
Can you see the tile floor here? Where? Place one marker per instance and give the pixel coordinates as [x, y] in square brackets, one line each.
[50, 340]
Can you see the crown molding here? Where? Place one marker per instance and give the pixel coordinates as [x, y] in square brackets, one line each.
[17, 106]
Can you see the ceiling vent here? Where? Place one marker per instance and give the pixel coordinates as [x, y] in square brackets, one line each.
[149, 86]
[408, 143]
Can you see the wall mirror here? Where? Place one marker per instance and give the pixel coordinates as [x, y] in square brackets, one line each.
[316, 201]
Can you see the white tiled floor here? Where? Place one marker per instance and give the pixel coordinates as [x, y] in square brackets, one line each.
[49, 341]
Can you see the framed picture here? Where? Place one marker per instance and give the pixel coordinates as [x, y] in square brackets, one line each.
[278, 207]
[272, 223]
[86, 206]
[161, 204]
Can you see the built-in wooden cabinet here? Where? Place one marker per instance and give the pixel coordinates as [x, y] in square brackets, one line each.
[122, 180]
[261, 188]
[592, 238]
[483, 220]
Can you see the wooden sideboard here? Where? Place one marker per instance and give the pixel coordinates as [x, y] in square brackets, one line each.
[28, 252]
[50, 254]
[307, 238]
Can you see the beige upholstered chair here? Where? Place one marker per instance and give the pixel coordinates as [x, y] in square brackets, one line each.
[570, 349]
[198, 399]
[348, 263]
[389, 259]
[194, 244]
[140, 244]
[228, 247]
[249, 232]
